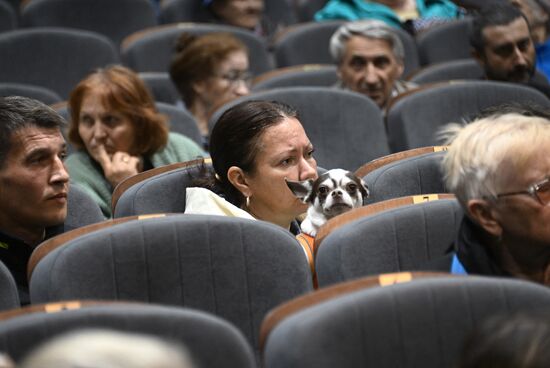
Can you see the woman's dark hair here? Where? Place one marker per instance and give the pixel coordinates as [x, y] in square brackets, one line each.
[235, 141]
[506, 341]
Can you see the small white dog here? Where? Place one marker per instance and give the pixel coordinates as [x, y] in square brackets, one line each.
[334, 192]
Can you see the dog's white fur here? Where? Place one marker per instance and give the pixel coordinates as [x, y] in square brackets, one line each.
[333, 193]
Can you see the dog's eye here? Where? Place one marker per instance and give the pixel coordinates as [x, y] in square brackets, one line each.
[352, 187]
[323, 190]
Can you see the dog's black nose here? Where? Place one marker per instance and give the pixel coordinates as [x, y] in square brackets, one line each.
[336, 193]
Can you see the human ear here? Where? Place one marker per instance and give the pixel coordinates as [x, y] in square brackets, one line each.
[481, 212]
[400, 69]
[237, 178]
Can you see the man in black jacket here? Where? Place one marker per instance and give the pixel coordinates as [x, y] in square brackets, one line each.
[33, 181]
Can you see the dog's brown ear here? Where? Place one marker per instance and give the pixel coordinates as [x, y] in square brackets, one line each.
[301, 189]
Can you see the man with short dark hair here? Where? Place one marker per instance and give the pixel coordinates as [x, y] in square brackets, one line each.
[33, 181]
[502, 44]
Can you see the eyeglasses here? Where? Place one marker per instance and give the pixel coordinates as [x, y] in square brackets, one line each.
[540, 191]
[236, 76]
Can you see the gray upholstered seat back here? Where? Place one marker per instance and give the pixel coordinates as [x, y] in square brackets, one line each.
[417, 324]
[161, 86]
[415, 175]
[316, 75]
[400, 239]
[55, 58]
[9, 298]
[181, 121]
[345, 128]
[114, 19]
[39, 93]
[307, 9]
[211, 341]
[175, 11]
[449, 41]
[82, 210]
[449, 70]
[8, 17]
[152, 50]
[235, 268]
[414, 119]
[162, 193]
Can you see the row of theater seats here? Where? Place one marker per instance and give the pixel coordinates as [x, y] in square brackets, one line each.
[118, 20]
[240, 270]
[100, 17]
[232, 267]
[391, 320]
[150, 49]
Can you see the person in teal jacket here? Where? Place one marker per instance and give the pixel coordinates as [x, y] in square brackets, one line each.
[413, 15]
[119, 133]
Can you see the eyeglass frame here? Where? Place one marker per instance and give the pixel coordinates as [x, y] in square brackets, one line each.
[240, 76]
[533, 191]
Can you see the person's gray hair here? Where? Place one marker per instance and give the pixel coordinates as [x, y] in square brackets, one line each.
[485, 153]
[371, 28]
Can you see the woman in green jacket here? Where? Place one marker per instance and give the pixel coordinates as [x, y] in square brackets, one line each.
[119, 133]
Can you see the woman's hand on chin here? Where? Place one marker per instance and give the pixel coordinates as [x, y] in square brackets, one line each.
[118, 166]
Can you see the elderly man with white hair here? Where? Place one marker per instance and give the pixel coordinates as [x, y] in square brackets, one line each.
[499, 169]
[370, 59]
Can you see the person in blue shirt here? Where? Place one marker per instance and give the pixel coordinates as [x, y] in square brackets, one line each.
[412, 15]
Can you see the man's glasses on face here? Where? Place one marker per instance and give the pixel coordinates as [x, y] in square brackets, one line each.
[236, 76]
[540, 191]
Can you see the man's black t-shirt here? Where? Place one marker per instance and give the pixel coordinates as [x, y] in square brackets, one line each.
[15, 254]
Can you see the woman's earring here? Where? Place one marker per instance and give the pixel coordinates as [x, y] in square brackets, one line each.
[247, 202]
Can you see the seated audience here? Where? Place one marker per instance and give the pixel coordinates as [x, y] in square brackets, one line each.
[107, 349]
[209, 71]
[255, 146]
[33, 182]
[498, 169]
[411, 15]
[502, 44]
[369, 56]
[504, 341]
[119, 133]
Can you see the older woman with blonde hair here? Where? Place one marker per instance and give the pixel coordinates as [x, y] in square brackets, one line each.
[119, 133]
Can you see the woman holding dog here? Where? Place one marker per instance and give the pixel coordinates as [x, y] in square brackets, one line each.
[255, 146]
